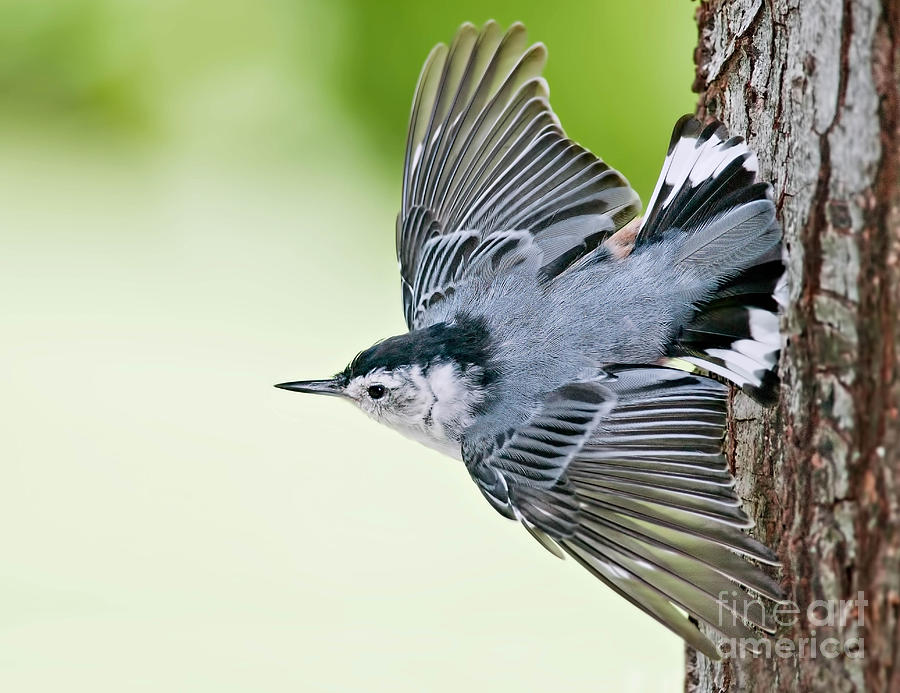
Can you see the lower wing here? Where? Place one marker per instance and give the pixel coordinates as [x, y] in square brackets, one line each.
[646, 503]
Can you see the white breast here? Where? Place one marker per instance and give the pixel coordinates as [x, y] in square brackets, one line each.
[446, 408]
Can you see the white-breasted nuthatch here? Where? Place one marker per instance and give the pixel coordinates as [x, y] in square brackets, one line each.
[571, 353]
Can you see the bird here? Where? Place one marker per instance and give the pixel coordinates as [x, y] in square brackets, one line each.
[575, 355]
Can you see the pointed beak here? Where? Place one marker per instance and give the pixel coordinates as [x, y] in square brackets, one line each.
[315, 387]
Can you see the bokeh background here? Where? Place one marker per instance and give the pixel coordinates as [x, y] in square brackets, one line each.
[197, 200]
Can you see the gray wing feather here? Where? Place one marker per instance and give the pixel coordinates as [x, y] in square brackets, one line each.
[485, 152]
[537, 453]
[647, 504]
[643, 596]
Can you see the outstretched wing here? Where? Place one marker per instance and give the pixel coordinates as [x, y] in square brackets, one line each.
[486, 155]
[641, 496]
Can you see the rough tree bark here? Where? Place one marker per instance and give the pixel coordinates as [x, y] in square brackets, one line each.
[813, 86]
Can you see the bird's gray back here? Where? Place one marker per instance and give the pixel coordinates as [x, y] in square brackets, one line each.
[545, 333]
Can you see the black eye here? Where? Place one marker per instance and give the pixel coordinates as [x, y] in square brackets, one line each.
[376, 391]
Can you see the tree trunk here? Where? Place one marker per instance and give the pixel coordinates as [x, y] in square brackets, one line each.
[813, 86]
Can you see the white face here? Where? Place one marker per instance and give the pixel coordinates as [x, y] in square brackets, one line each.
[433, 408]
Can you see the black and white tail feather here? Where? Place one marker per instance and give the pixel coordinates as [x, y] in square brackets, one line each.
[708, 195]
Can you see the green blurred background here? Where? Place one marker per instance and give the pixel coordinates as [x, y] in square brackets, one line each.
[197, 200]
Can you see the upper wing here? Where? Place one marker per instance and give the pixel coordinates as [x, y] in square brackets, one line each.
[645, 502]
[485, 154]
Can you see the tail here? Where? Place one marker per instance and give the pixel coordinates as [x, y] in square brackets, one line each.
[708, 197]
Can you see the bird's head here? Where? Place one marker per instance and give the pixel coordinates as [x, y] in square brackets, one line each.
[428, 384]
